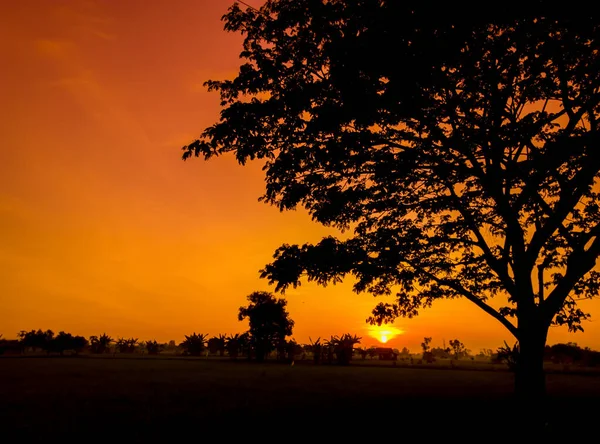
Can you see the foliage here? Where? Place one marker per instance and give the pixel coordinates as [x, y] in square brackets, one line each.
[269, 322]
[485, 353]
[234, 345]
[126, 345]
[216, 344]
[153, 347]
[459, 149]
[571, 353]
[193, 344]
[100, 344]
[343, 347]
[363, 352]
[425, 345]
[46, 341]
[316, 348]
[458, 349]
[10, 346]
[439, 352]
[508, 355]
[289, 350]
[372, 352]
[66, 341]
[36, 340]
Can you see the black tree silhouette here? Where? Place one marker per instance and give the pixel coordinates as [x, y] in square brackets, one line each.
[459, 148]
[269, 322]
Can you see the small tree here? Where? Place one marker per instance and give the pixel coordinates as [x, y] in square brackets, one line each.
[269, 322]
[316, 348]
[193, 344]
[343, 347]
[233, 344]
[458, 348]
[126, 345]
[100, 344]
[216, 344]
[425, 345]
[509, 355]
[363, 352]
[372, 352]
[37, 340]
[153, 347]
[66, 341]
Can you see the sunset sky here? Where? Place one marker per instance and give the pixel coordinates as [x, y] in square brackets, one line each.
[104, 228]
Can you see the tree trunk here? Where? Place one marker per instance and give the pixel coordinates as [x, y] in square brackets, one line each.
[530, 378]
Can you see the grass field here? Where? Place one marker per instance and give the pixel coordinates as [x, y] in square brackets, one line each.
[147, 399]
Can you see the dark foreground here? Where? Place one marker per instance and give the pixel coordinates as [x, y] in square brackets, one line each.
[166, 400]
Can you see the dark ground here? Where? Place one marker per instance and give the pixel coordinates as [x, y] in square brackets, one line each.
[96, 399]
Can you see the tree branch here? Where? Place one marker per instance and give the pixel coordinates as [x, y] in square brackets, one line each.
[500, 268]
[470, 296]
[578, 265]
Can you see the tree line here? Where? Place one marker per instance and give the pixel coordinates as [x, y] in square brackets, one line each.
[270, 327]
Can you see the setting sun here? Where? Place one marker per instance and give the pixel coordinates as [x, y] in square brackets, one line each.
[383, 333]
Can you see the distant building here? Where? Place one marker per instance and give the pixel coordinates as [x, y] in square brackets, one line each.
[386, 354]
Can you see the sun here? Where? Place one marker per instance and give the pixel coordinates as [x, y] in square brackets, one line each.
[383, 333]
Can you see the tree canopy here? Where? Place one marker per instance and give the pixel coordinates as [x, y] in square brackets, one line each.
[269, 322]
[459, 149]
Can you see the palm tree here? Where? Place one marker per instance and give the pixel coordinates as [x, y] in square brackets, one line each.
[126, 345]
[233, 345]
[316, 349]
[343, 346]
[153, 347]
[193, 344]
[100, 344]
[216, 344]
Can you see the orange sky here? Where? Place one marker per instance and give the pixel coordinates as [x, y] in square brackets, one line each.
[104, 228]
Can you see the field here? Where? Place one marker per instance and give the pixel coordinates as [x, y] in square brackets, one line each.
[153, 399]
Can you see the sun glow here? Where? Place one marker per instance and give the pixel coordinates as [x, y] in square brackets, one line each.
[383, 333]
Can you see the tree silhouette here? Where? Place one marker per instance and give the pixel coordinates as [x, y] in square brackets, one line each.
[316, 348]
[269, 322]
[372, 352]
[35, 340]
[363, 352]
[459, 149]
[425, 345]
[193, 344]
[509, 355]
[126, 345]
[153, 347]
[216, 344]
[233, 345]
[66, 341]
[100, 344]
[458, 348]
[343, 347]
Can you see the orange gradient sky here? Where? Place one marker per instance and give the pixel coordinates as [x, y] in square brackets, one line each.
[104, 228]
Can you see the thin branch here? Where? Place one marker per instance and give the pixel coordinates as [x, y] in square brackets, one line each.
[471, 297]
[499, 268]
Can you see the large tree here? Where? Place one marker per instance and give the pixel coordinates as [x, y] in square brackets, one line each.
[269, 321]
[458, 148]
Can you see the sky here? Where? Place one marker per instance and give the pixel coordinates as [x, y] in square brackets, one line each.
[103, 228]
